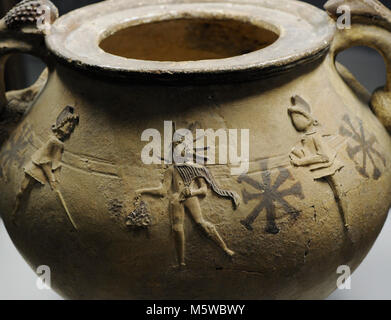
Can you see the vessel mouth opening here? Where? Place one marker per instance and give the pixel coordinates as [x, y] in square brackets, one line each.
[188, 39]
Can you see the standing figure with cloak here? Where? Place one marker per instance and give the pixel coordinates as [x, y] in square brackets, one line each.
[184, 183]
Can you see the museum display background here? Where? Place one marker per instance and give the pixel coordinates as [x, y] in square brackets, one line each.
[370, 281]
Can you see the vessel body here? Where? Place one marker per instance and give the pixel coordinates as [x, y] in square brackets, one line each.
[280, 232]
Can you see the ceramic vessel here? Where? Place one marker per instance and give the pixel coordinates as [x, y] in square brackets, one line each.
[76, 195]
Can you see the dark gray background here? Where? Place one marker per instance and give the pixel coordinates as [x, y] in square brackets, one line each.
[370, 281]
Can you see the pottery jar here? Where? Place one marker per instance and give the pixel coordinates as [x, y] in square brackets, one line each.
[77, 195]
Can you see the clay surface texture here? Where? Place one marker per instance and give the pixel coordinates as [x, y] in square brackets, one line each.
[77, 196]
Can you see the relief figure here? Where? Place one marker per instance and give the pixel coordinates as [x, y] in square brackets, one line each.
[314, 152]
[184, 184]
[45, 163]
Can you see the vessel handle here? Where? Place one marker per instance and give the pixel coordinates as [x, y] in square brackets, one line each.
[371, 27]
[23, 30]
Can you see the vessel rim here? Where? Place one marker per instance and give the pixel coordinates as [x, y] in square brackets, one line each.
[305, 34]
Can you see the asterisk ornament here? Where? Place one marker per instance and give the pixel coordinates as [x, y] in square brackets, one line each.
[269, 194]
[364, 145]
